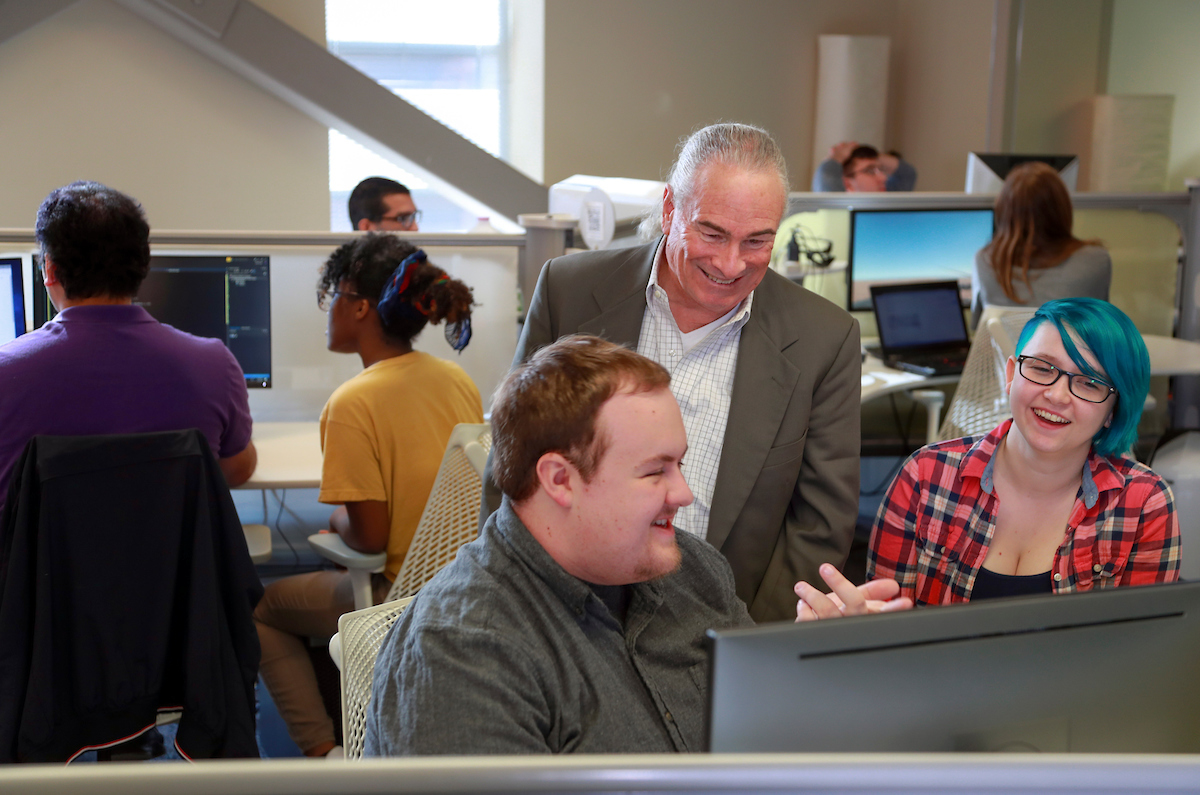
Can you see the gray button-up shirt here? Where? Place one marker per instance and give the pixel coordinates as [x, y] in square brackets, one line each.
[503, 652]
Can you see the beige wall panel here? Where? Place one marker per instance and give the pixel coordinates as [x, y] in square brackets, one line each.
[1154, 52]
[938, 109]
[1061, 56]
[626, 79]
[98, 93]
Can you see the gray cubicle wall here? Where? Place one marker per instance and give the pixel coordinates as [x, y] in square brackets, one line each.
[827, 774]
[304, 373]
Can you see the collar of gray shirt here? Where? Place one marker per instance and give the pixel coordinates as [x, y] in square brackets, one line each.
[576, 594]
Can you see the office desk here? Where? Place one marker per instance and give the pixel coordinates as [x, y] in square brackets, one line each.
[879, 380]
[289, 456]
[1168, 356]
[1172, 356]
[289, 453]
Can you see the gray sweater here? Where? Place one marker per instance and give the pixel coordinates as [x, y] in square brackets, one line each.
[1087, 272]
[504, 652]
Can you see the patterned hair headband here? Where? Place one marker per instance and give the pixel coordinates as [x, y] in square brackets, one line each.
[391, 303]
[400, 279]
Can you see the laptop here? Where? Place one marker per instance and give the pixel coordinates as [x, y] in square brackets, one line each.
[921, 327]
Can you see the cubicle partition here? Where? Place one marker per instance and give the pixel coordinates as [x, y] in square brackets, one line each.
[845, 774]
[304, 373]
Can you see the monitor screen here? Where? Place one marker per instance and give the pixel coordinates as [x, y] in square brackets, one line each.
[12, 299]
[986, 171]
[919, 315]
[1110, 671]
[890, 246]
[224, 297]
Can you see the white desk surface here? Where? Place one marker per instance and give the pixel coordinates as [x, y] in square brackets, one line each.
[1172, 356]
[879, 380]
[289, 453]
[289, 456]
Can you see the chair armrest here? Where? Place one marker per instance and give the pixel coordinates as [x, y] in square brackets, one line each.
[335, 649]
[476, 456]
[331, 547]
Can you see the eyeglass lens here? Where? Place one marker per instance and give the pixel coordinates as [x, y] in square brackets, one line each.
[1081, 386]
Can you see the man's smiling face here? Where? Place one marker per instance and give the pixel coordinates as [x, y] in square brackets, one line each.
[719, 241]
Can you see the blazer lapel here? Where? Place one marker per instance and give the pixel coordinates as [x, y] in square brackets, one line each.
[622, 299]
[762, 389]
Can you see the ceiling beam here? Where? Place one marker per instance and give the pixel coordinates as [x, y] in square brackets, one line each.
[18, 16]
[285, 63]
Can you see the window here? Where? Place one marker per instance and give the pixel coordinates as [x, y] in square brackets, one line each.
[446, 57]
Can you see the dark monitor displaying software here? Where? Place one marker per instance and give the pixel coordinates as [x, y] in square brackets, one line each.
[12, 299]
[1110, 671]
[890, 246]
[223, 297]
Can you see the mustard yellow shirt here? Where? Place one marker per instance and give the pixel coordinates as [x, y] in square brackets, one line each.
[384, 432]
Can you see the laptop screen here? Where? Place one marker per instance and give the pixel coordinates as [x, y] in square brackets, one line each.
[922, 315]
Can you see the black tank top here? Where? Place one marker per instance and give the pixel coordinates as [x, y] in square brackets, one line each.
[990, 585]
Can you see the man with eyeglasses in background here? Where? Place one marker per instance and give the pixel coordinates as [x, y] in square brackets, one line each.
[379, 204]
[858, 168]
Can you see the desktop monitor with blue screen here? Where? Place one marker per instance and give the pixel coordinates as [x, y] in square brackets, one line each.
[12, 300]
[224, 297]
[891, 246]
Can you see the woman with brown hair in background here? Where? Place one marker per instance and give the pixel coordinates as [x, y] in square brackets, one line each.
[1034, 257]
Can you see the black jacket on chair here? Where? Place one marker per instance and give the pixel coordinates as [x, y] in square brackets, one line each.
[125, 587]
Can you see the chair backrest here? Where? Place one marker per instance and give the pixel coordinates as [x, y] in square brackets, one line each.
[116, 543]
[1005, 329]
[980, 402]
[361, 633]
[451, 516]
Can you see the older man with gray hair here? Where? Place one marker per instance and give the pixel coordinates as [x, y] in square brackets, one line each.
[767, 375]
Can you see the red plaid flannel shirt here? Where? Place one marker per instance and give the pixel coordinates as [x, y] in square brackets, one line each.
[933, 529]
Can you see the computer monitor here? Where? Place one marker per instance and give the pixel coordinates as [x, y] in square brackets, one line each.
[986, 171]
[225, 297]
[12, 296]
[1109, 671]
[220, 296]
[890, 246]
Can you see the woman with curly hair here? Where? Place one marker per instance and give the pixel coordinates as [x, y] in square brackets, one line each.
[383, 434]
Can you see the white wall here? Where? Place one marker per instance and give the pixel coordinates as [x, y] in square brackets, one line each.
[940, 87]
[97, 93]
[626, 79]
[1154, 51]
[1062, 61]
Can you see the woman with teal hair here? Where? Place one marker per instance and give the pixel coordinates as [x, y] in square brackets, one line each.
[1049, 502]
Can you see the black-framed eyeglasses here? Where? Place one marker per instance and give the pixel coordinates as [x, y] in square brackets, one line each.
[404, 219]
[1084, 387]
[325, 300]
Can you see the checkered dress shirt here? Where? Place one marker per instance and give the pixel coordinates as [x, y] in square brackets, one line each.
[702, 382]
[933, 530]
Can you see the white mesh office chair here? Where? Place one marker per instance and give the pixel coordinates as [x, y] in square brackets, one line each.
[451, 516]
[980, 402]
[450, 519]
[360, 634]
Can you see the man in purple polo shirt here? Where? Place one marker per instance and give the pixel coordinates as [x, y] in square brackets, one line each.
[104, 365]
